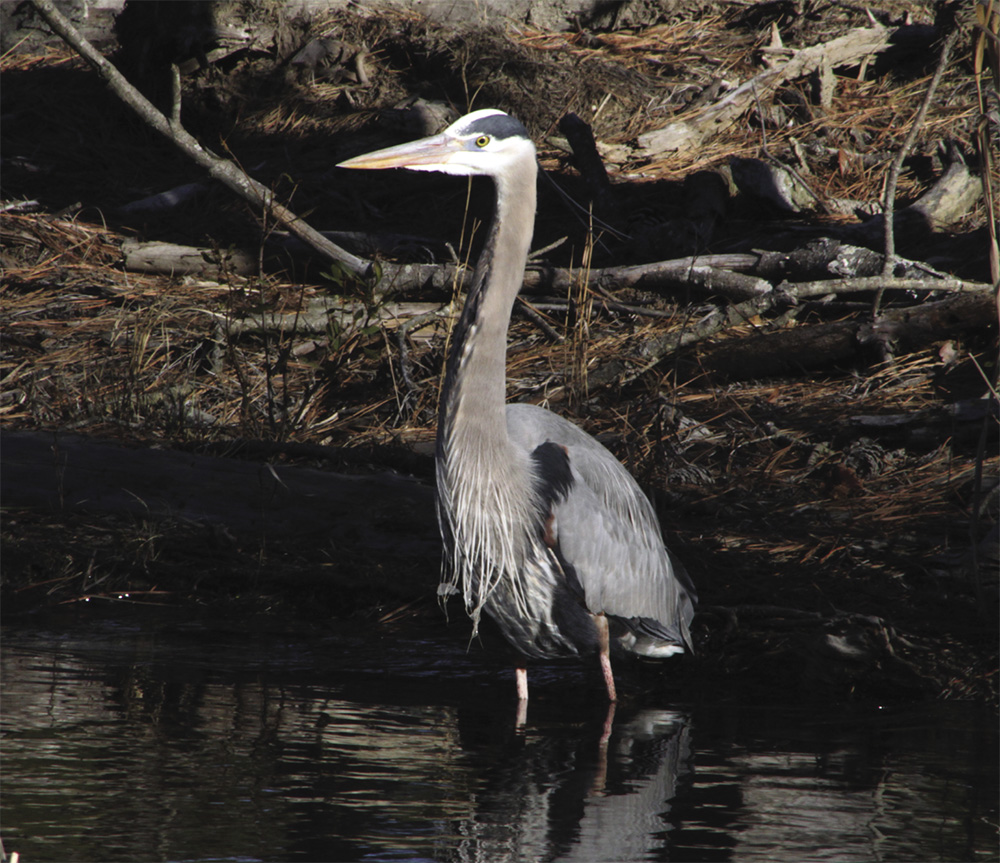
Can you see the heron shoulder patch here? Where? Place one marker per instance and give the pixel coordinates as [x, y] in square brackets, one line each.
[555, 478]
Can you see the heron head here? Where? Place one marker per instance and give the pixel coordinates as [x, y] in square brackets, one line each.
[483, 143]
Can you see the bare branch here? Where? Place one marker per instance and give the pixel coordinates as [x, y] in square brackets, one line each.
[218, 168]
[904, 151]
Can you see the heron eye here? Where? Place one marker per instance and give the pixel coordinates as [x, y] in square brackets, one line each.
[482, 140]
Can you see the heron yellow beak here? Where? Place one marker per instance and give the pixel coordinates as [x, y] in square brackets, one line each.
[428, 154]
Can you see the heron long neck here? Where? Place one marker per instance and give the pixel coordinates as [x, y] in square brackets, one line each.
[484, 486]
[472, 412]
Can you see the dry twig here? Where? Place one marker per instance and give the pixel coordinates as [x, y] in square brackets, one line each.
[897, 165]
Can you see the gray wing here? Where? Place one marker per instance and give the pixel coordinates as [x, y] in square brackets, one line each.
[607, 530]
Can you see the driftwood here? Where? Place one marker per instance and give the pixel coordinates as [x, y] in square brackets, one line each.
[383, 512]
[955, 193]
[321, 315]
[835, 261]
[799, 348]
[807, 347]
[685, 136]
[738, 287]
[848, 268]
[175, 260]
[771, 183]
[832, 269]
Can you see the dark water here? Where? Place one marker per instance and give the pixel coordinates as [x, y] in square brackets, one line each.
[150, 742]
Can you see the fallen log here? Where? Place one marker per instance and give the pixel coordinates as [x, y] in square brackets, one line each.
[830, 259]
[176, 260]
[805, 347]
[320, 315]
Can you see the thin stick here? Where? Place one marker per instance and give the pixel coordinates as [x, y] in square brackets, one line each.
[897, 164]
[533, 315]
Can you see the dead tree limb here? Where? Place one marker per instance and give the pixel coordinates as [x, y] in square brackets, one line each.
[175, 260]
[218, 168]
[715, 275]
[822, 288]
[776, 353]
[818, 345]
[737, 277]
[687, 134]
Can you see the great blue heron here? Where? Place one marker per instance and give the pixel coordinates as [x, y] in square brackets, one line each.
[542, 527]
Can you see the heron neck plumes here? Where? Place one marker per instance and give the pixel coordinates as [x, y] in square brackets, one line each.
[484, 485]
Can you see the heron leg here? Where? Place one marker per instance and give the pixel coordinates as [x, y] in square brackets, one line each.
[521, 717]
[599, 785]
[521, 676]
[604, 646]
